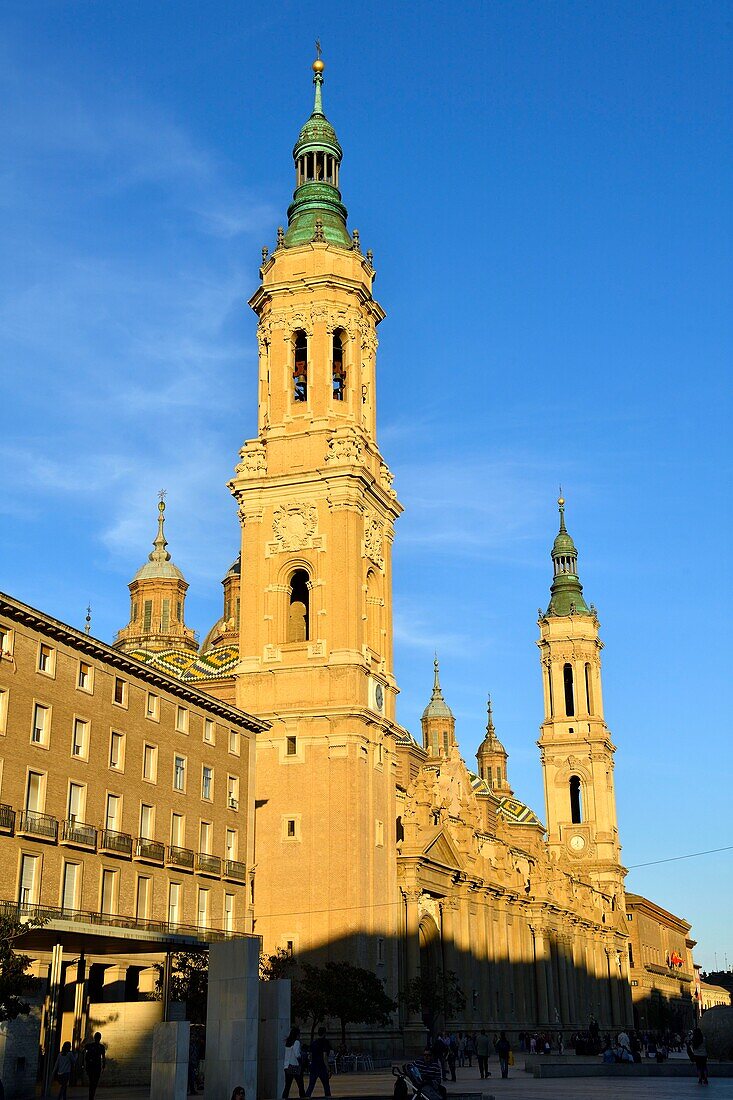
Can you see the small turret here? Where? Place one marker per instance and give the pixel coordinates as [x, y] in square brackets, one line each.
[492, 758]
[438, 723]
[157, 600]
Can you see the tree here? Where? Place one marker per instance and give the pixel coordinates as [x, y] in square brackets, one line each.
[343, 992]
[435, 994]
[189, 982]
[279, 965]
[14, 982]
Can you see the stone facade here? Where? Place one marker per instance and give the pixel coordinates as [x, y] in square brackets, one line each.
[662, 972]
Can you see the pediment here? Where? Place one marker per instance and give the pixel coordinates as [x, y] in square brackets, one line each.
[441, 849]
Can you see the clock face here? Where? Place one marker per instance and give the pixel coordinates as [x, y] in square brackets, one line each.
[577, 843]
[379, 696]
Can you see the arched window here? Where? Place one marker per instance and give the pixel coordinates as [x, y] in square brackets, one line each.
[588, 692]
[567, 677]
[300, 366]
[338, 370]
[549, 688]
[299, 610]
[576, 806]
[399, 831]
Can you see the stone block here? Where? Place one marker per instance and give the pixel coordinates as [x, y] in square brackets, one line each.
[169, 1067]
[717, 1027]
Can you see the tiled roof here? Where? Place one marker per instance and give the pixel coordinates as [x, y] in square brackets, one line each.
[190, 668]
[518, 812]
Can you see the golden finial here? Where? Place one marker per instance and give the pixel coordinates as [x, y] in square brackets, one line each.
[318, 64]
[561, 499]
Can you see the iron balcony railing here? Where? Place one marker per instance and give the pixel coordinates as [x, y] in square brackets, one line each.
[207, 864]
[180, 857]
[151, 850]
[76, 832]
[7, 817]
[118, 843]
[235, 870]
[19, 911]
[32, 823]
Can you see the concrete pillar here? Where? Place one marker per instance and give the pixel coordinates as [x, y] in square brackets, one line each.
[274, 1024]
[169, 1065]
[232, 1016]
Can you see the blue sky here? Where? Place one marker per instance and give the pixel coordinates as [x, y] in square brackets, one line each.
[546, 188]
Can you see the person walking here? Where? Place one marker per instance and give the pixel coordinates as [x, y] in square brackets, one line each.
[320, 1049]
[699, 1054]
[482, 1053]
[94, 1062]
[503, 1049]
[62, 1070]
[292, 1063]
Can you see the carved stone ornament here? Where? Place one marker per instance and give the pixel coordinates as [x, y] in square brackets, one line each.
[344, 447]
[294, 525]
[387, 478]
[373, 539]
[254, 460]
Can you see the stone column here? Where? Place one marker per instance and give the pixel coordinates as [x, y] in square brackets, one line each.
[626, 1000]
[484, 962]
[562, 974]
[169, 1066]
[613, 981]
[540, 969]
[232, 1017]
[412, 935]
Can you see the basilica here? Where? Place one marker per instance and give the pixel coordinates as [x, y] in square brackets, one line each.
[371, 843]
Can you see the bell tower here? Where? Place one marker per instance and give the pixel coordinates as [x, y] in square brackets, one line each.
[575, 743]
[317, 510]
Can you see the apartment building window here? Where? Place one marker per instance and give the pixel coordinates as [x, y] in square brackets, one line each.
[174, 902]
[4, 696]
[209, 731]
[147, 821]
[110, 892]
[291, 746]
[233, 792]
[229, 912]
[234, 742]
[207, 782]
[152, 707]
[291, 828]
[203, 907]
[35, 792]
[6, 642]
[179, 773]
[28, 887]
[150, 763]
[182, 719]
[46, 659]
[80, 738]
[178, 831]
[41, 724]
[117, 751]
[142, 898]
[84, 679]
[205, 838]
[120, 692]
[231, 844]
[113, 815]
[76, 802]
[71, 880]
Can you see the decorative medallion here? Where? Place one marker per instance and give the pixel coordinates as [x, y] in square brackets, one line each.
[294, 525]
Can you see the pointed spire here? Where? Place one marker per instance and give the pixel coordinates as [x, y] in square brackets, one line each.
[566, 591]
[437, 707]
[160, 546]
[88, 620]
[490, 714]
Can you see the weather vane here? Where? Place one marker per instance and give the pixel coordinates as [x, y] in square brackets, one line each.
[162, 494]
[318, 49]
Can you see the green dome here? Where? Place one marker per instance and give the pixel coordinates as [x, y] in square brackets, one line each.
[566, 593]
[316, 212]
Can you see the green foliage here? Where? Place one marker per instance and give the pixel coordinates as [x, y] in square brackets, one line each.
[189, 982]
[14, 982]
[340, 991]
[435, 994]
[279, 965]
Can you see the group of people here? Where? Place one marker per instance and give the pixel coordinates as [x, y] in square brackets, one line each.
[458, 1049]
[315, 1059]
[93, 1059]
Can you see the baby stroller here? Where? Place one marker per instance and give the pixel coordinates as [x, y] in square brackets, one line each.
[409, 1084]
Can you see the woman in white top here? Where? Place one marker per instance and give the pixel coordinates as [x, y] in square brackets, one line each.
[292, 1063]
[62, 1069]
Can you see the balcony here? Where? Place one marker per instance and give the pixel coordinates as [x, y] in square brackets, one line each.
[116, 844]
[78, 835]
[7, 818]
[180, 857]
[39, 826]
[149, 851]
[235, 870]
[208, 865]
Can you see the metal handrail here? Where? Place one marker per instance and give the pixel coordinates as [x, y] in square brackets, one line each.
[31, 821]
[76, 832]
[235, 870]
[180, 857]
[112, 841]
